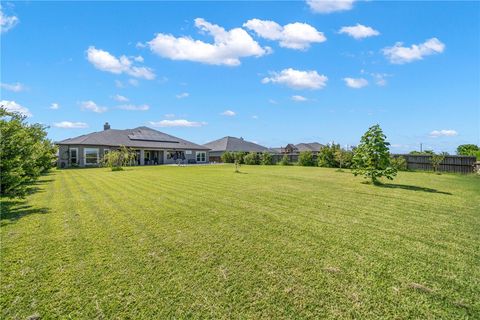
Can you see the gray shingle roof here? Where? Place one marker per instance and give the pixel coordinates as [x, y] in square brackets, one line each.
[141, 137]
[313, 146]
[234, 144]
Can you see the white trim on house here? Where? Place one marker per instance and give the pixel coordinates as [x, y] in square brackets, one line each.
[97, 150]
[202, 158]
[70, 156]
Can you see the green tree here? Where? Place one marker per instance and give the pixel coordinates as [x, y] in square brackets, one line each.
[266, 159]
[372, 156]
[238, 160]
[25, 153]
[467, 150]
[305, 159]
[117, 159]
[436, 160]
[326, 156]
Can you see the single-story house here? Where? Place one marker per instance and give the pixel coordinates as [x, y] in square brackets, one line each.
[314, 147]
[151, 146]
[231, 144]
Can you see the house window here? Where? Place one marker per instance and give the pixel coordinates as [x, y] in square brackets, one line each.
[91, 156]
[74, 156]
[201, 156]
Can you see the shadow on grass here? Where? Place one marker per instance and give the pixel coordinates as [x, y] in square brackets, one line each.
[13, 210]
[411, 188]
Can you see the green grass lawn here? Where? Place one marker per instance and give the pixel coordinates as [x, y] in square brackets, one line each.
[272, 242]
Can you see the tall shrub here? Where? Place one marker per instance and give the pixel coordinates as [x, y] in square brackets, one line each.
[305, 159]
[266, 159]
[251, 158]
[228, 157]
[285, 161]
[25, 153]
[372, 157]
[326, 156]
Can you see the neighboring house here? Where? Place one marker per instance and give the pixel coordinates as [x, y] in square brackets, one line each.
[151, 147]
[314, 147]
[231, 144]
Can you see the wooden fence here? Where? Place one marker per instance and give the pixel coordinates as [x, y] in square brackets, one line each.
[457, 164]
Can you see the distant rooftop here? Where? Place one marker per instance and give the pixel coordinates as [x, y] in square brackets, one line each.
[234, 144]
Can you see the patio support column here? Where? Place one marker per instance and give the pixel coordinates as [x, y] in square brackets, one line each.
[142, 157]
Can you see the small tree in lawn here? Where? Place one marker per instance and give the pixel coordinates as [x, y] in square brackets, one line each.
[341, 156]
[238, 159]
[117, 159]
[372, 157]
[436, 160]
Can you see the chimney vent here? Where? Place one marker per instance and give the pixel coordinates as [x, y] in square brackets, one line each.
[106, 126]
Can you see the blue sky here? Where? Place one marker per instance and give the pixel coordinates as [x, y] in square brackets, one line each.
[271, 72]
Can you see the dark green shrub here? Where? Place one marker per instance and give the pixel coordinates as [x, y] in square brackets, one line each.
[326, 156]
[305, 159]
[251, 158]
[228, 157]
[266, 159]
[25, 153]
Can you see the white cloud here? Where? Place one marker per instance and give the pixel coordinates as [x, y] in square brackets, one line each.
[299, 98]
[182, 95]
[138, 59]
[132, 107]
[176, 123]
[356, 83]
[15, 87]
[399, 54]
[54, 106]
[255, 117]
[359, 31]
[329, 6]
[105, 61]
[227, 49]
[70, 125]
[120, 98]
[134, 82]
[12, 106]
[272, 101]
[228, 113]
[169, 115]
[298, 79]
[92, 106]
[443, 133]
[7, 22]
[293, 35]
[380, 78]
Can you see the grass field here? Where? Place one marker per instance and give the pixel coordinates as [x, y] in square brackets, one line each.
[271, 242]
